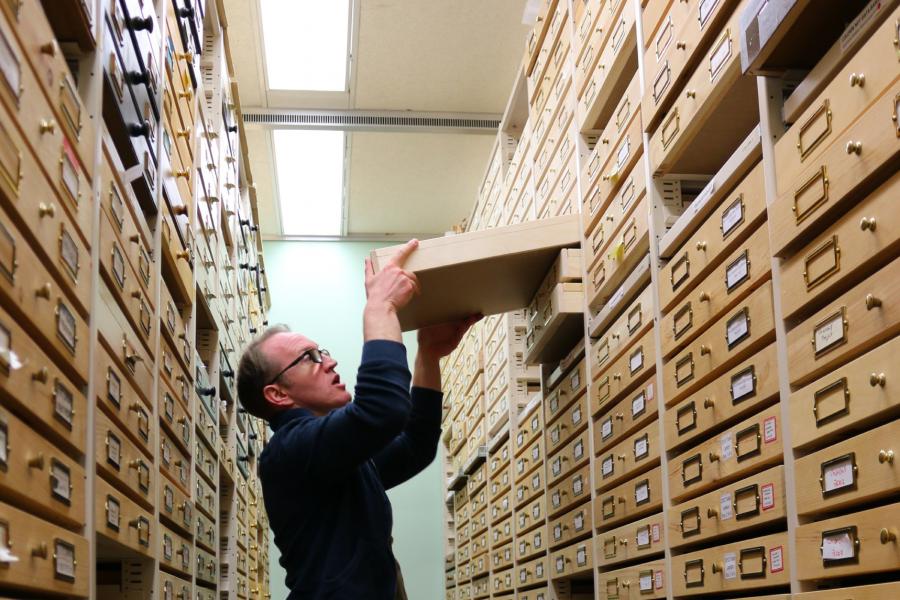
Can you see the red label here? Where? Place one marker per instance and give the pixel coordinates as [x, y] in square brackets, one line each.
[654, 531]
[770, 430]
[767, 496]
[658, 580]
[776, 559]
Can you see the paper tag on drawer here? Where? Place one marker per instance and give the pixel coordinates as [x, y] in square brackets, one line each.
[767, 496]
[646, 582]
[641, 493]
[838, 475]
[658, 579]
[838, 546]
[725, 506]
[730, 565]
[606, 428]
[655, 532]
[770, 430]
[638, 405]
[732, 216]
[606, 468]
[643, 537]
[737, 272]
[776, 559]
[829, 333]
[738, 328]
[727, 444]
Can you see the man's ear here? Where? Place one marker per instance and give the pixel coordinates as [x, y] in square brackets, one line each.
[276, 397]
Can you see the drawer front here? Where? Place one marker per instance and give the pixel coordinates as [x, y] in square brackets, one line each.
[751, 564]
[685, 31]
[533, 572]
[531, 515]
[478, 502]
[59, 558]
[631, 542]
[502, 582]
[854, 544]
[850, 472]
[175, 588]
[205, 498]
[739, 506]
[741, 391]
[570, 491]
[824, 186]
[629, 501]
[646, 580]
[175, 552]
[122, 461]
[631, 413]
[117, 396]
[477, 479]
[635, 455]
[563, 430]
[177, 508]
[652, 14]
[565, 393]
[743, 330]
[574, 560]
[36, 294]
[844, 98]
[528, 429]
[625, 135]
[573, 456]
[626, 373]
[502, 534]
[499, 461]
[829, 407]
[864, 236]
[630, 326]
[176, 326]
[36, 473]
[856, 321]
[502, 557]
[718, 72]
[862, 592]
[173, 462]
[626, 248]
[739, 214]
[206, 462]
[570, 526]
[119, 519]
[477, 546]
[531, 543]
[741, 271]
[205, 532]
[740, 450]
[41, 389]
[122, 344]
[174, 374]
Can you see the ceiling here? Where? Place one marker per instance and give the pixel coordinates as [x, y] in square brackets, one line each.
[459, 56]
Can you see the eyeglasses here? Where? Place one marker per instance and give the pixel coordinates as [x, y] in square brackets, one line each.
[313, 354]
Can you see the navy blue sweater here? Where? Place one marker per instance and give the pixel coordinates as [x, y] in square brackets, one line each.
[324, 479]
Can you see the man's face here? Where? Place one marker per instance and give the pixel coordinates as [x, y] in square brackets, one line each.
[308, 384]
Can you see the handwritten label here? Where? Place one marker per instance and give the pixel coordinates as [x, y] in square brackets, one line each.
[741, 385]
[829, 333]
[725, 506]
[737, 272]
[655, 532]
[738, 327]
[730, 565]
[776, 559]
[838, 546]
[839, 475]
[767, 496]
[643, 536]
[726, 442]
[658, 579]
[732, 216]
[606, 428]
[770, 430]
[638, 405]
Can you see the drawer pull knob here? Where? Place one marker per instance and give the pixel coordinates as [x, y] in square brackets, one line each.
[49, 49]
[40, 375]
[854, 148]
[40, 551]
[37, 462]
[46, 210]
[704, 350]
[136, 294]
[872, 302]
[185, 56]
[133, 358]
[857, 79]
[680, 45]
[186, 94]
[878, 379]
[186, 173]
[886, 456]
[621, 457]
[184, 254]
[185, 133]
[620, 416]
[43, 291]
[617, 376]
[623, 541]
[181, 209]
[713, 457]
[712, 513]
[887, 536]
[47, 126]
[867, 224]
[716, 567]
[704, 297]
[708, 403]
[701, 246]
[691, 94]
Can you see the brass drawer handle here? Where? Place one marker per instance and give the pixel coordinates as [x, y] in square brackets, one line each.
[41, 375]
[877, 379]
[887, 536]
[867, 224]
[854, 148]
[708, 403]
[857, 79]
[46, 210]
[691, 94]
[872, 302]
[886, 456]
[712, 513]
[47, 126]
[701, 246]
[704, 350]
[704, 297]
[43, 291]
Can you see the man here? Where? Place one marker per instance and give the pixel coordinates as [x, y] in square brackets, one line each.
[326, 468]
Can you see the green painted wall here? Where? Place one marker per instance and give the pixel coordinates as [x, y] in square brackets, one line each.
[317, 289]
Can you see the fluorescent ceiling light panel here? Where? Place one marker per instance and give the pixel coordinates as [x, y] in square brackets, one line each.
[310, 172]
[306, 43]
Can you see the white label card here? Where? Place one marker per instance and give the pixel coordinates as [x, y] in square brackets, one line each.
[655, 532]
[606, 428]
[829, 333]
[646, 582]
[839, 475]
[770, 430]
[578, 450]
[641, 447]
[767, 496]
[738, 327]
[737, 272]
[658, 576]
[579, 521]
[725, 512]
[638, 404]
[733, 215]
[557, 532]
[641, 493]
[776, 559]
[730, 565]
[643, 536]
[64, 557]
[726, 442]
[606, 468]
[838, 546]
[741, 385]
[636, 361]
[577, 486]
[576, 416]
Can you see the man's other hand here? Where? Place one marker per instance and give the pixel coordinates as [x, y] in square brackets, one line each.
[437, 341]
[393, 287]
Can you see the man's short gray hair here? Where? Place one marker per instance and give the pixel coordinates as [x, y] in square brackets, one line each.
[254, 371]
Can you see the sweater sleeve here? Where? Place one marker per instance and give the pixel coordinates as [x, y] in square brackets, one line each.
[415, 448]
[327, 448]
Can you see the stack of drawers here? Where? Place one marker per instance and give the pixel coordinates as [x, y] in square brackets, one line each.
[510, 382]
[557, 300]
